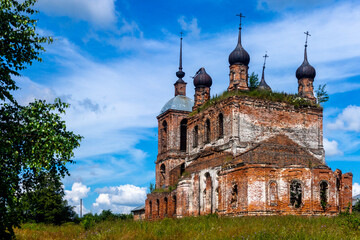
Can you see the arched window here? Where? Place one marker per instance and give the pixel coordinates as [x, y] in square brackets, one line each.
[164, 136]
[166, 206]
[234, 196]
[174, 202]
[207, 131]
[157, 207]
[221, 125]
[196, 136]
[295, 193]
[182, 169]
[183, 131]
[324, 191]
[150, 209]
[162, 175]
[273, 193]
[208, 194]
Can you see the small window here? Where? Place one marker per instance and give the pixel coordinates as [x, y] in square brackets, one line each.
[196, 136]
[174, 202]
[295, 194]
[150, 208]
[221, 125]
[234, 196]
[164, 136]
[157, 207]
[207, 131]
[162, 175]
[183, 131]
[166, 205]
[182, 169]
[273, 193]
[324, 191]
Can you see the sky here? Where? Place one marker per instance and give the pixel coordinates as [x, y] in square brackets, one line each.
[114, 62]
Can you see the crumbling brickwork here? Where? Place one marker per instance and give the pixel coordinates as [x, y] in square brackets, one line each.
[244, 155]
[252, 157]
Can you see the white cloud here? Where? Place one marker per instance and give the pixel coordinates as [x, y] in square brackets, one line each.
[120, 199]
[348, 119]
[77, 192]
[98, 12]
[191, 27]
[331, 148]
[280, 5]
[356, 189]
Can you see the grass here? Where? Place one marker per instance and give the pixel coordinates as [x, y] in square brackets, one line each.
[205, 227]
[292, 99]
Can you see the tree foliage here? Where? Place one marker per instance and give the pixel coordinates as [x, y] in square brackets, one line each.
[44, 203]
[20, 44]
[321, 94]
[33, 141]
[253, 81]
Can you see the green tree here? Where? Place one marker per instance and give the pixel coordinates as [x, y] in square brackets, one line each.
[356, 207]
[321, 94]
[33, 141]
[44, 202]
[20, 45]
[253, 81]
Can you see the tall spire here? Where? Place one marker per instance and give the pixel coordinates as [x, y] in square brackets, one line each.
[263, 85]
[239, 38]
[180, 74]
[180, 84]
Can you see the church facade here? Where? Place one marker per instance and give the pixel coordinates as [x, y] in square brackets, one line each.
[245, 152]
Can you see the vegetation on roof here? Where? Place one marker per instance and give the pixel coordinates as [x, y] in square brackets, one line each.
[293, 99]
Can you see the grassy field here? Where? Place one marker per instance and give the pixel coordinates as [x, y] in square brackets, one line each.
[207, 227]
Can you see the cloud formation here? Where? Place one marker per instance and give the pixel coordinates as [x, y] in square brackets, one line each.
[331, 148]
[356, 189]
[348, 119]
[120, 199]
[99, 12]
[78, 191]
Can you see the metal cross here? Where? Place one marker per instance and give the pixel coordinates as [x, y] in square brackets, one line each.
[240, 16]
[307, 34]
[181, 33]
[265, 56]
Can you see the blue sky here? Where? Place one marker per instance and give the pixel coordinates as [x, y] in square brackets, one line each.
[114, 61]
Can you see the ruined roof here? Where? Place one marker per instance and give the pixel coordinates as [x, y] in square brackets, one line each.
[181, 103]
[139, 208]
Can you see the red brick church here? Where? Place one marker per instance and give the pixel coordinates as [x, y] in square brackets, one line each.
[247, 152]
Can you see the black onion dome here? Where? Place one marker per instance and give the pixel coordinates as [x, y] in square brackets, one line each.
[263, 85]
[202, 79]
[305, 70]
[239, 56]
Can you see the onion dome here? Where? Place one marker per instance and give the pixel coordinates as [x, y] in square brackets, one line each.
[202, 79]
[305, 70]
[263, 85]
[239, 56]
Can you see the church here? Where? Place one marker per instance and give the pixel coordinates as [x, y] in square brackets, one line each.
[249, 151]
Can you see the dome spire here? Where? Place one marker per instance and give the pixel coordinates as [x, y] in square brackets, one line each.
[180, 84]
[180, 74]
[239, 38]
[263, 85]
